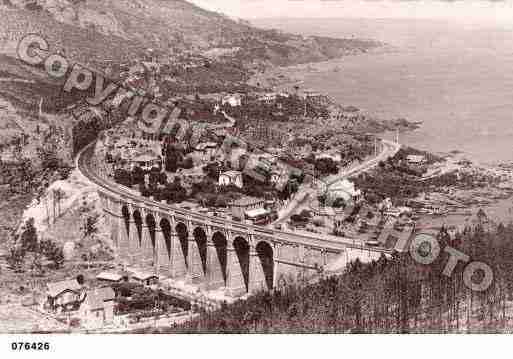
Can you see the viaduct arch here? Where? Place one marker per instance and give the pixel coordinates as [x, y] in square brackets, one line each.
[218, 255]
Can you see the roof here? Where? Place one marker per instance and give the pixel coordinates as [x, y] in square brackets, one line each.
[54, 289]
[188, 204]
[204, 145]
[147, 156]
[95, 298]
[114, 277]
[246, 201]
[236, 95]
[256, 212]
[144, 275]
[231, 174]
[345, 186]
[416, 158]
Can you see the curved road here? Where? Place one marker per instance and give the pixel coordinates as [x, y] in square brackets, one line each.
[389, 150]
[83, 164]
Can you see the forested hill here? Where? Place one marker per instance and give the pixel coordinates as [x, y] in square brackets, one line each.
[387, 296]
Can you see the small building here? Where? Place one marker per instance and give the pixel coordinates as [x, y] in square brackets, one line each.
[258, 216]
[63, 296]
[237, 158]
[206, 150]
[147, 160]
[313, 96]
[416, 159]
[97, 309]
[109, 277]
[231, 178]
[233, 100]
[242, 205]
[274, 177]
[145, 278]
[269, 97]
[346, 190]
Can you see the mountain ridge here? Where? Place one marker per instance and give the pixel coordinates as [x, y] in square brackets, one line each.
[165, 25]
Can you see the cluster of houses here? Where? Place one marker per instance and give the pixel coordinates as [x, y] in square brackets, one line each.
[93, 307]
[235, 100]
[127, 148]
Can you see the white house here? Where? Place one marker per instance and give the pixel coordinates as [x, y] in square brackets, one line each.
[109, 277]
[416, 159]
[147, 160]
[275, 177]
[346, 190]
[232, 100]
[269, 97]
[231, 178]
[97, 309]
[145, 278]
[257, 215]
[206, 150]
[235, 158]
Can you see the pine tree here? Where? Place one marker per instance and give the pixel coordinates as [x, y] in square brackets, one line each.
[29, 236]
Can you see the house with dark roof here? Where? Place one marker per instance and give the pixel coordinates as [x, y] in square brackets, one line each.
[63, 296]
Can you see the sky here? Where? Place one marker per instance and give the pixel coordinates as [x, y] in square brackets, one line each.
[464, 10]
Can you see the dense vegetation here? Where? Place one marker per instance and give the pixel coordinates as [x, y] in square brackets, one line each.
[388, 295]
[27, 243]
[395, 178]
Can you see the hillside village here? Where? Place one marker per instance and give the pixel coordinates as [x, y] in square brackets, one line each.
[274, 176]
[250, 154]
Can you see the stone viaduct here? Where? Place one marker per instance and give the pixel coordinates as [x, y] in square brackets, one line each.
[207, 251]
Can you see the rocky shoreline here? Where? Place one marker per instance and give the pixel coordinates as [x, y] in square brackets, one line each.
[291, 79]
[457, 200]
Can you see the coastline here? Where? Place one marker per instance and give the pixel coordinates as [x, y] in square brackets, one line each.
[281, 78]
[492, 200]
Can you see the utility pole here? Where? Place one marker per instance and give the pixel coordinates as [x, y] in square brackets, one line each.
[40, 109]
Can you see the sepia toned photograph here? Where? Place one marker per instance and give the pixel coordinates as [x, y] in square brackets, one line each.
[255, 167]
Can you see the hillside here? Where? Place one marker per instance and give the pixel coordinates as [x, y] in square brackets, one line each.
[200, 52]
[395, 295]
[115, 29]
[103, 33]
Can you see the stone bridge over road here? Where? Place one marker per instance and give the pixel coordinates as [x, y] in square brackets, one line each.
[207, 251]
